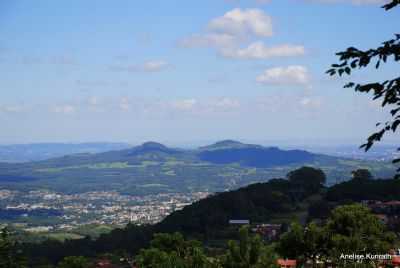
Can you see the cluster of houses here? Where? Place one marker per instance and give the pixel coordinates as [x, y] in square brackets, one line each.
[267, 231]
[387, 212]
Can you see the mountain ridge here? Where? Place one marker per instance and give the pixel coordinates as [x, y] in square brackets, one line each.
[152, 168]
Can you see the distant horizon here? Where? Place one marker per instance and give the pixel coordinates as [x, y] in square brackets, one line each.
[205, 142]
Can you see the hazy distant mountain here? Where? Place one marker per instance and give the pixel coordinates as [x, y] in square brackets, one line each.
[41, 151]
[153, 168]
[228, 152]
[152, 147]
[228, 144]
[223, 152]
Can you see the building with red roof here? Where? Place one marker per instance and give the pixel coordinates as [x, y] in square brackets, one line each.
[285, 263]
[396, 261]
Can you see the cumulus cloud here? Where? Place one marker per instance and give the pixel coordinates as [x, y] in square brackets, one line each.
[291, 75]
[66, 109]
[243, 21]
[93, 101]
[205, 106]
[237, 27]
[95, 104]
[311, 102]
[185, 104]
[148, 66]
[175, 108]
[125, 104]
[12, 108]
[258, 50]
[154, 66]
[209, 40]
[226, 103]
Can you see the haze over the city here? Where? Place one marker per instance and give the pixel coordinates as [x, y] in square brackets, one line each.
[186, 71]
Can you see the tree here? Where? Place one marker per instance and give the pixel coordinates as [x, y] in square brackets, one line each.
[172, 250]
[9, 255]
[249, 252]
[349, 229]
[315, 238]
[361, 174]
[388, 91]
[319, 209]
[311, 180]
[291, 243]
[304, 244]
[354, 229]
[74, 262]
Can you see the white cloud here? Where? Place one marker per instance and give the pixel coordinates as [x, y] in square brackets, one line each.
[93, 101]
[233, 27]
[185, 104]
[226, 103]
[124, 104]
[258, 50]
[11, 108]
[154, 66]
[242, 22]
[148, 66]
[236, 28]
[66, 109]
[221, 106]
[291, 75]
[95, 104]
[209, 40]
[311, 102]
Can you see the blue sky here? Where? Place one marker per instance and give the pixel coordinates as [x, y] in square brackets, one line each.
[186, 71]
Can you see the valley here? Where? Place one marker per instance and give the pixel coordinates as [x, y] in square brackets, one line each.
[146, 183]
[42, 213]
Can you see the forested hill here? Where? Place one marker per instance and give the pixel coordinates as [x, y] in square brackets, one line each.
[260, 202]
[253, 155]
[257, 202]
[257, 156]
[359, 189]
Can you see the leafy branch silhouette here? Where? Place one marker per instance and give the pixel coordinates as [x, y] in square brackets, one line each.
[388, 91]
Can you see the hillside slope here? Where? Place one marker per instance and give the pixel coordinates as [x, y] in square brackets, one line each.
[153, 168]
